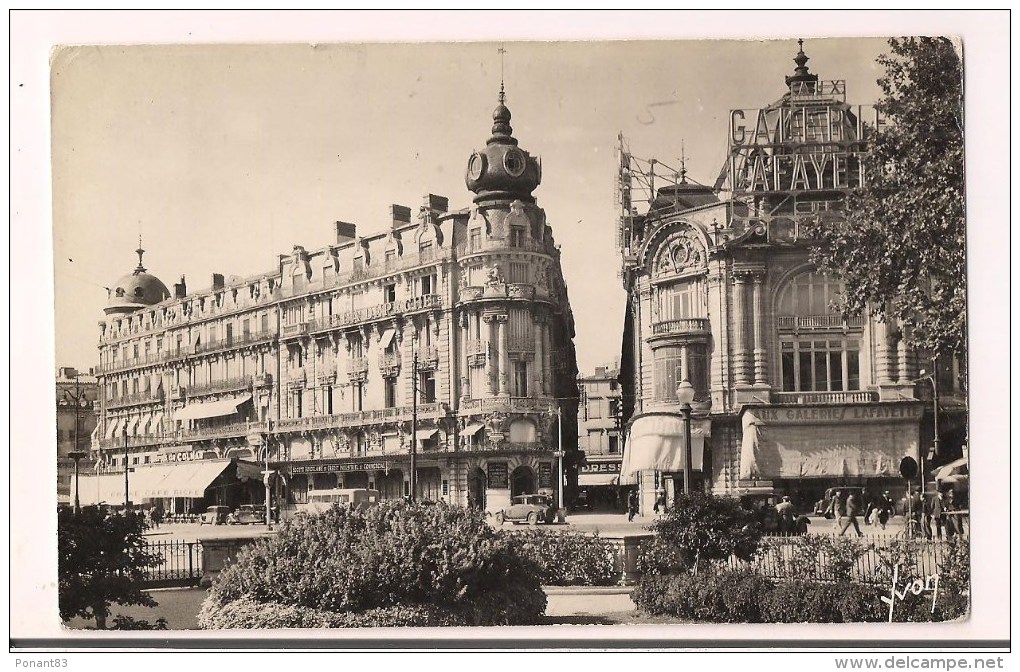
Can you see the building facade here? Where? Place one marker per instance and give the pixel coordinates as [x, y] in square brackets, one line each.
[599, 437]
[76, 421]
[449, 333]
[789, 396]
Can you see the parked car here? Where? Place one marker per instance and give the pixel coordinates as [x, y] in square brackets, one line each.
[822, 505]
[532, 509]
[582, 501]
[249, 513]
[215, 515]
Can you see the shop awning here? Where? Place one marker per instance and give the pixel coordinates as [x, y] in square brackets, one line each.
[111, 429]
[471, 429]
[426, 434]
[144, 427]
[386, 339]
[774, 449]
[954, 471]
[656, 441]
[212, 409]
[132, 428]
[598, 479]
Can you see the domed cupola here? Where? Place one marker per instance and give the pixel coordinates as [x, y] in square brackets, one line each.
[502, 171]
[800, 73]
[137, 290]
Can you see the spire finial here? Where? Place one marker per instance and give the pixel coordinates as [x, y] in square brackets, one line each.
[800, 73]
[683, 163]
[502, 93]
[139, 252]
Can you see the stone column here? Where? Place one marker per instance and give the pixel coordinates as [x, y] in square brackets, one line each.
[740, 363]
[906, 361]
[465, 336]
[547, 372]
[491, 363]
[539, 373]
[760, 373]
[685, 368]
[885, 355]
[504, 356]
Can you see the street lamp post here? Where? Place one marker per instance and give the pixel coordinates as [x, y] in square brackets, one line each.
[685, 395]
[559, 450]
[935, 415]
[76, 455]
[414, 417]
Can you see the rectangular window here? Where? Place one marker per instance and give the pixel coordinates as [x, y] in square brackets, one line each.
[427, 387]
[327, 398]
[391, 259]
[391, 391]
[682, 301]
[389, 293]
[516, 235]
[245, 328]
[475, 241]
[518, 272]
[265, 322]
[820, 366]
[230, 334]
[614, 444]
[595, 408]
[298, 398]
[212, 334]
[134, 351]
[357, 396]
[667, 373]
[425, 285]
[520, 373]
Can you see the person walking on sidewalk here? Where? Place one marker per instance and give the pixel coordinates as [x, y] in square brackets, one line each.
[632, 505]
[853, 508]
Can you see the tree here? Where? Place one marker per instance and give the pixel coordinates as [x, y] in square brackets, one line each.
[701, 528]
[901, 249]
[101, 561]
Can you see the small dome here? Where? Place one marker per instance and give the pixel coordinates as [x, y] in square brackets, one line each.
[502, 170]
[136, 290]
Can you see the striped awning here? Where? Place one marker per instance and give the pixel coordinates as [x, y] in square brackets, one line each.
[111, 429]
[471, 429]
[212, 409]
[132, 427]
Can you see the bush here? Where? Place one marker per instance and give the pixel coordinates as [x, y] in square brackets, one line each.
[952, 601]
[820, 556]
[569, 559]
[724, 596]
[800, 601]
[398, 557]
[703, 528]
[101, 561]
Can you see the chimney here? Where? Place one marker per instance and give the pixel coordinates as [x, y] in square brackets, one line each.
[400, 214]
[180, 289]
[345, 233]
[438, 204]
[217, 281]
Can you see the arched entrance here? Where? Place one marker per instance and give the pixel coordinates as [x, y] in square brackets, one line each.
[476, 489]
[522, 481]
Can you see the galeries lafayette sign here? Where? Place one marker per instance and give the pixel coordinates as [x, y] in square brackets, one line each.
[828, 414]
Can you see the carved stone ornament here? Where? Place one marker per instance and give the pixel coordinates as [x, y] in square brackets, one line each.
[494, 275]
[681, 252]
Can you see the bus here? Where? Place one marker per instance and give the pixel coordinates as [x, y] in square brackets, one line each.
[322, 500]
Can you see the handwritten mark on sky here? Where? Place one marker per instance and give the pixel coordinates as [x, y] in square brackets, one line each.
[648, 110]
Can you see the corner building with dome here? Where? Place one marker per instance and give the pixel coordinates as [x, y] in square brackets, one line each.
[789, 397]
[312, 365]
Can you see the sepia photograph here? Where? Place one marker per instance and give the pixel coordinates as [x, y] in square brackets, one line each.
[425, 339]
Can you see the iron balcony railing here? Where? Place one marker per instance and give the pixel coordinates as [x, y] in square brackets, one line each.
[683, 325]
[358, 418]
[818, 322]
[850, 397]
[508, 404]
[135, 400]
[224, 385]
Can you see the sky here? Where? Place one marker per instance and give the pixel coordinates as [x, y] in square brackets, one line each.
[223, 156]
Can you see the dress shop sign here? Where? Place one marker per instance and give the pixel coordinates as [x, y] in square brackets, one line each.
[600, 468]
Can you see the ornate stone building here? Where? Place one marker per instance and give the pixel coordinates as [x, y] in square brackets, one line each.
[789, 396]
[76, 420]
[318, 360]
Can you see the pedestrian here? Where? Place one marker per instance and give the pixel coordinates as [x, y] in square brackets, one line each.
[886, 508]
[632, 505]
[853, 509]
[802, 523]
[836, 508]
[787, 516]
[870, 508]
[934, 514]
[660, 502]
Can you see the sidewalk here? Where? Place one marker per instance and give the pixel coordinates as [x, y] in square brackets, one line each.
[180, 606]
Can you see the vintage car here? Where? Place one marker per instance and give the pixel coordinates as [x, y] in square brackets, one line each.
[822, 505]
[215, 515]
[532, 509]
[249, 514]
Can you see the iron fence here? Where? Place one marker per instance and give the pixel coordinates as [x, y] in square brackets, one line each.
[181, 564]
[867, 559]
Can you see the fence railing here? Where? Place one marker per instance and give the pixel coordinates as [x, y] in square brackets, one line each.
[181, 563]
[795, 557]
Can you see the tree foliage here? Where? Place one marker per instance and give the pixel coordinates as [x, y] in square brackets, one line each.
[702, 528]
[902, 247]
[101, 561]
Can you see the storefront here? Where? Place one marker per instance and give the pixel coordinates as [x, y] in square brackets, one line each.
[802, 450]
[598, 484]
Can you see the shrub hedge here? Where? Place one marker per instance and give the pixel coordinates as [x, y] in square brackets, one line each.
[570, 559]
[397, 563]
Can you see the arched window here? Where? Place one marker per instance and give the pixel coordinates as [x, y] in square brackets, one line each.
[819, 349]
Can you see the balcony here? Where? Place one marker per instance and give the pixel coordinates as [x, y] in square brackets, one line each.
[389, 363]
[135, 400]
[357, 370]
[294, 330]
[797, 323]
[498, 290]
[234, 341]
[508, 405]
[225, 385]
[477, 352]
[263, 380]
[428, 356]
[221, 432]
[852, 397]
[684, 326]
[296, 379]
[136, 362]
[360, 418]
